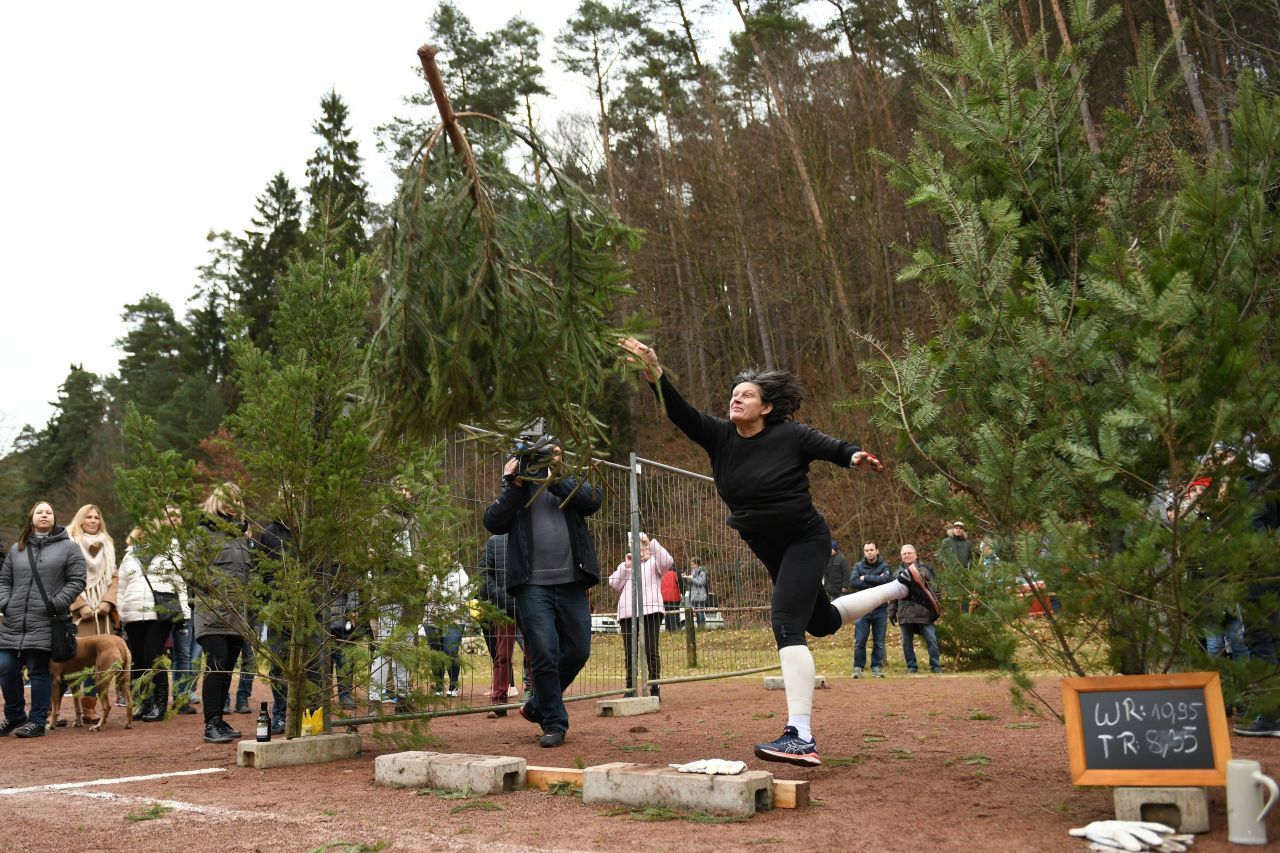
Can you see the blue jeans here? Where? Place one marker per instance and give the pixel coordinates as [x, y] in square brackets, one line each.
[37, 663]
[930, 635]
[183, 678]
[446, 642]
[875, 623]
[556, 622]
[1230, 632]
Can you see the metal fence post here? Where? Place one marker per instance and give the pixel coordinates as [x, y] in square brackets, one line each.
[638, 672]
[690, 637]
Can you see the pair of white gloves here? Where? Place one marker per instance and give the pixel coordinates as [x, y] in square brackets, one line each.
[712, 767]
[1133, 835]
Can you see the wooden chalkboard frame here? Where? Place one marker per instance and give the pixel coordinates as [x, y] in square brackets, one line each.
[1209, 682]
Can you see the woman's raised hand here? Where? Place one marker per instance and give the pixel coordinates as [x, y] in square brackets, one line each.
[644, 355]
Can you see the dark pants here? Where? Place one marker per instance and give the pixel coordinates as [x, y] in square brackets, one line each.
[220, 653]
[930, 634]
[248, 669]
[796, 563]
[445, 641]
[146, 641]
[673, 615]
[37, 663]
[651, 651]
[183, 677]
[874, 623]
[556, 622]
[1261, 640]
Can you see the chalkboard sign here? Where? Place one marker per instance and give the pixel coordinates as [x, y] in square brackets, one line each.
[1146, 729]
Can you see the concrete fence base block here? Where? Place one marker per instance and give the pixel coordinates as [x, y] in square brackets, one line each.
[314, 749]
[1185, 809]
[476, 774]
[628, 706]
[774, 682]
[644, 785]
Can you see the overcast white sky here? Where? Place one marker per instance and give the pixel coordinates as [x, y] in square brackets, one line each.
[133, 128]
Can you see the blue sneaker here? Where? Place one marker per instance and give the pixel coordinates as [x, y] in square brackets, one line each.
[791, 749]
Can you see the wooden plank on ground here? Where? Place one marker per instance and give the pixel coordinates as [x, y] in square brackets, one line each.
[542, 777]
[790, 794]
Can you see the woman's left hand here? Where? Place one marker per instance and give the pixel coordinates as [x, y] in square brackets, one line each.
[863, 456]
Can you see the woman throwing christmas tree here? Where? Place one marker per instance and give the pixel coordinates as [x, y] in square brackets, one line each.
[760, 463]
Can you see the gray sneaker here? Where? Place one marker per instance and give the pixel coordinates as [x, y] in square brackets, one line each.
[857, 672]
[877, 673]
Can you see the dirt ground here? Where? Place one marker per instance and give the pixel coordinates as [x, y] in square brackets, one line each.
[914, 763]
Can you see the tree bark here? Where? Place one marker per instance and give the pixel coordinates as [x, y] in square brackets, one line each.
[1191, 76]
[1086, 116]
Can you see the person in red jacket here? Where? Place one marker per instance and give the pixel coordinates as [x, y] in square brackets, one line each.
[671, 597]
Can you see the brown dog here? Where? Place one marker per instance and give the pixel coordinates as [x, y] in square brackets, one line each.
[109, 656]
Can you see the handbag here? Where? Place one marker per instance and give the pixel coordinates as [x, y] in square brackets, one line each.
[166, 605]
[62, 628]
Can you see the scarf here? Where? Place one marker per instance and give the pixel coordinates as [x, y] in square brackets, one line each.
[99, 566]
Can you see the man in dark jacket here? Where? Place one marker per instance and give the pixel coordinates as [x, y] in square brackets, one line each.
[916, 619]
[835, 580]
[500, 634]
[870, 571]
[551, 563]
[955, 547]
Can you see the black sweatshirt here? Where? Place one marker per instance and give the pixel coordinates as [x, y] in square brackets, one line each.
[764, 479]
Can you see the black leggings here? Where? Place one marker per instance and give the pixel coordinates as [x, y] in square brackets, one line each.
[651, 651]
[220, 653]
[146, 643]
[796, 562]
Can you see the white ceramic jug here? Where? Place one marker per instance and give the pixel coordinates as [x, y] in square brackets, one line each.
[1246, 809]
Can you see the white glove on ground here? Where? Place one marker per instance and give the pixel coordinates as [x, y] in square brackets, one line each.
[1132, 835]
[712, 767]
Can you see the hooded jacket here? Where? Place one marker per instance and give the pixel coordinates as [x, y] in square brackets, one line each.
[507, 515]
[650, 581]
[27, 622]
[223, 593]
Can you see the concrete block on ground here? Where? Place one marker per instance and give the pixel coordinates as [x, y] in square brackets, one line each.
[1185, 809]
[642, 785]
[313, 749]
[477, 774]
[774, 682]
[628, 706]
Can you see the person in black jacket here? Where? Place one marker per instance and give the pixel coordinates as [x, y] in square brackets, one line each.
[551, 563]
[500, 635]
[26, 634]
[835, 580]
[868, 572]
[760, 464]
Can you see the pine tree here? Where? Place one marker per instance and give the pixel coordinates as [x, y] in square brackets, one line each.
[1100, 329]
[66, 441]
[337, 196]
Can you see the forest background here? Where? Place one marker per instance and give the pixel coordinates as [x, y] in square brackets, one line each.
[783, 192]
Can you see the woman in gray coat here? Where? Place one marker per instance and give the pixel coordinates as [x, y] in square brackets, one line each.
[26, 634]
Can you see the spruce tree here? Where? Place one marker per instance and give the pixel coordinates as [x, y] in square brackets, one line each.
[338, 204]
[265, 250]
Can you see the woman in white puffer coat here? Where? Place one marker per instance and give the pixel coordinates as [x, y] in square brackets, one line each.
[153, 597]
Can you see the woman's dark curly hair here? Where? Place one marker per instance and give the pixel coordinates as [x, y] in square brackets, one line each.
[777, 387]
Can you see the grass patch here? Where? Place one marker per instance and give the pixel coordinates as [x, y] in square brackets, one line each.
[903, 754]
[769, 715]
[349, 847]
[443, 794]
[844, 761]
[977, 759]
[981, 715]
[579, 763]
[663, 814]
[476, 806]
[564, 789]
[638, 747]
[151, 812]
[1022, 725]
[870, 738]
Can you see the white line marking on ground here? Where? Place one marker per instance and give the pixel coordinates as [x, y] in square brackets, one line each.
[121, 780]
[176, 805]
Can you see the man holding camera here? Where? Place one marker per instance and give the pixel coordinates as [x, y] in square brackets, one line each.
[551, 563]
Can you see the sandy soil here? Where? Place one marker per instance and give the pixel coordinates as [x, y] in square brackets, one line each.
[914, 763]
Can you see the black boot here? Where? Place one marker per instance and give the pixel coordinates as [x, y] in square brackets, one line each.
[214, 731]
[155, 712]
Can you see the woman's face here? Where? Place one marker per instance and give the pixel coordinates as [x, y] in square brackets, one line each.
[42, 518]
[91, 523]
[747, 406]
